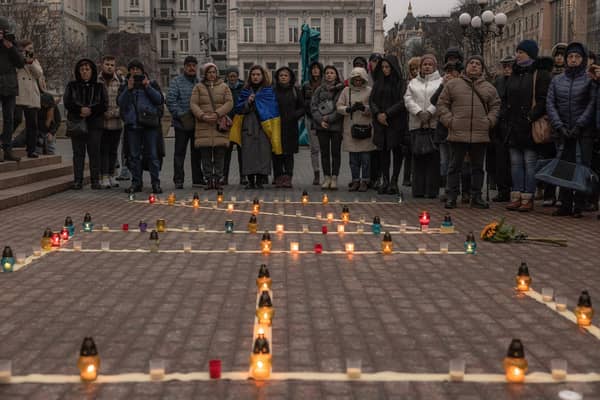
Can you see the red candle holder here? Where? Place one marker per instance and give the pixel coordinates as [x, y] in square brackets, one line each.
[324, 229]
[318, 248]
[125, 227]
[424, 219]
[55, 239]
[214, 369]
[152, 198]
[64, 234]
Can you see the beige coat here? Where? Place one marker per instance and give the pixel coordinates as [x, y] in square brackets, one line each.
[206, 134]
[359, 95]
[112, 116]
[29, 90]
[463, 113]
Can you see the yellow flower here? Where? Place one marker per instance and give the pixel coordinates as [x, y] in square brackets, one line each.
[489, 230]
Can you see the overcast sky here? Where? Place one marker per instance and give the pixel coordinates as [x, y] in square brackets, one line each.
[396, 9]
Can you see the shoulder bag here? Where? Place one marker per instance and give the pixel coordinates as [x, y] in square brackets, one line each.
[224, 123]
[146, 119]
[79, 127]
[541, 131]
[358, 131]
[422, 141]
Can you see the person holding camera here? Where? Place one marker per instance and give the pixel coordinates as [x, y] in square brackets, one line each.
[10, 60]
[85, 100]
[141, 103]
[28, 99]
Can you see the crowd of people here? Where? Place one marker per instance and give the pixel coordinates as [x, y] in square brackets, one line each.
[444, 125]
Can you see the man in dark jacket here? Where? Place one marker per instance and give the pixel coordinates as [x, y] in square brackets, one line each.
[141, 108]
[235, 85]
[316, 78]
[570, 104]
[10, 60]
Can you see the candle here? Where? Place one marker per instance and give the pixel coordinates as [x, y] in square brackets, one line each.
[252, 224]
[325, 199]
[444, 247]
[70, 226]
[424, 221]
[265, 243]
[304, 198]
[46, 242]
[349, 248]
[171, 199]
[324, 229]
[345, 214]
[340, 229]
[376, 227]
[559, 369]
[214, 369]
[64, 234]
[264, 311]
[260, 360]
[447, 225]
[8, 260]
[515, 364]
[584, 311]
[157, 370]
[219, 196]
[105, 246]
[89, 361]
[279, 228]
[196, 201]
[329, 217]
[523, 278]
[318, 248]
[143, 226]
[294, 247]
[422, 248]
[187, 247]
[255, 206]
[152, 198]
[76, 246]
[457, 369]
[131, 196]
[386, 243]
[161, 225]
[105, 227]
[264, 281]
[561, 303]
[55, 239]
[5, 371]
[229, 226]
[232, 247]
[88, 226]
[125, 227]
[547, 294]
[154, 241]
[305, 228]
[470, 245]
[353, 368]
[230, 208]
[38, 252]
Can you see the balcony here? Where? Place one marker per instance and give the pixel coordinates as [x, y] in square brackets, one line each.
[96, 22]
[164, 16]
[167, 57]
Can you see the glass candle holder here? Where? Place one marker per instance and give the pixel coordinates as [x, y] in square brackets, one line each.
[77, 245]
[187, 247]
[157, 370]
[457, 369]
[298, 213]
[353, 368]
[125, 227]
[232, 247]
[161, 225]
[5, 371]
[105, 246]
[324, 229]
[229, 226]
[21, 258]
[318, 248]
[547, 294]
[360, 228]
[230, 208]
[214, 369]
[279, 228]
[233, 199]
[305, 228]
[559, 369]
[37, 250]
[329, 217]
[294, 247]
[349, 248]
[185, 227]
[362, 219]
[561, 303]
[422, 248]
[403, 225]
[281, 211]
[444, 247]
[318, 216]
[341, 229]
[201, 228]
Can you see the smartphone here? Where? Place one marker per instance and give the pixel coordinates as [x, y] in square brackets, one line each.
[138, 81]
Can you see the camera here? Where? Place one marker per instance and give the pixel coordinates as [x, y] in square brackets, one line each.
[10, 37]
[138, 81]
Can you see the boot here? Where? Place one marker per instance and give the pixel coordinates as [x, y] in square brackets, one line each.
[515, 201]
[10, 156]
[287, 182]
[354, 185]
[333, 185]
[465, 198]
[363, 186]
[478, 202]
[326, 182]
[450, 203]
[384, 185]
[316, 179]
[393, 186]
[501, 197]
[526, 202]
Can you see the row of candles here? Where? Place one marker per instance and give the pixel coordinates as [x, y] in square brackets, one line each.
[261, 357]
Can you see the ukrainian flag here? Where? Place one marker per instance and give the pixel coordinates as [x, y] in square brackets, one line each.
[268, 115]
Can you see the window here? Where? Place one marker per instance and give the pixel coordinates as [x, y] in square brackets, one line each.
[271, 30]
[184, 42]
[248, 30]
[338, 30]
[164, 77]
[293, 30]
[202, 5]
[107, 8]
[164, 45]
[247, 67]
[134, 3]
[222, 41]
[183, 5]
[294, 67]
[315, 23]
[361, 30]
[272, 68]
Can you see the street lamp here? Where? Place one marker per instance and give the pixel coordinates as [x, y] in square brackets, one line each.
[484, 25]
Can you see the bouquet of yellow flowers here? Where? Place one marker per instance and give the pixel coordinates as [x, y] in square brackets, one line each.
[499, 232]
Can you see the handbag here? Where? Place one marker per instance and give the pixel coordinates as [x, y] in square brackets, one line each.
[541, 131]
[422, 141]
[188, 121]
[77, 128]
[146, 119]
[224, 123]
[567, 174]
[358, 131]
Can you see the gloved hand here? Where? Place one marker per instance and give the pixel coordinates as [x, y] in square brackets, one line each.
[564, 133]
[349, 110]
[575, 132]
[359, 107]
[424, 116]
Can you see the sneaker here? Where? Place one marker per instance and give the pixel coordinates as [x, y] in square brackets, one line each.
[156, 189]
[104, 182]
[113, 182]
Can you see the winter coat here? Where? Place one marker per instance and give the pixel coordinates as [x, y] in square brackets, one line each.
[131, 102]
[235, 94]
[352, 95]
[387, 97]
[207, 134]
[29, 89]
[570, 100]
[178, 97]
[418, 98]
[441, 132]
[323, 106]
[460, 109]
[92, 94]
[291, 109]
[310, 87]
[256, 145]
[112, 116]
[517, 102]
[10, 60]
[499, 132]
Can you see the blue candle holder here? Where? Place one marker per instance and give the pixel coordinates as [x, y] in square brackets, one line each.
[143, 226]
[470, 244]
[70, 226]
[229, 226]
[376, 227]
[8, 261]
[447, 224]
[88, 226]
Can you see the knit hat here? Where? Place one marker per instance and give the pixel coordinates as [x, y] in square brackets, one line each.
[476, 57]
[206, 66]
[4, 24]
[135, 64]
[507, 60]
[375, 56]
[232, 68]
[576, 48]
[190, 60]
[453, 52]
[530, 47]
[429, 57]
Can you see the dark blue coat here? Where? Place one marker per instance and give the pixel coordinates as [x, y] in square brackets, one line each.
[148, 99]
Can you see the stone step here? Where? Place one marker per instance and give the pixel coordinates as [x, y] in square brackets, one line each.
[30, 175]
[27, 163]
[37, 190]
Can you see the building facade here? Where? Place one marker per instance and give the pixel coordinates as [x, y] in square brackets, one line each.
[268, 32]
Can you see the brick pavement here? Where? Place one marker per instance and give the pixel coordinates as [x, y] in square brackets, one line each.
[408, 313]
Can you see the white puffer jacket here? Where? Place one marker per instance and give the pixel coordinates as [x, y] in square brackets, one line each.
[29, 91]
[417, 99]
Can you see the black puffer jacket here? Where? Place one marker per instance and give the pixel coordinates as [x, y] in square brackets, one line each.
[92, 94]
[387, 97]
[291, 109]
[10, 60]
[518, 101]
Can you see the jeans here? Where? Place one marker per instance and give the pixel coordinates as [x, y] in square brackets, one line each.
[313, 142]
[330, 144]
[228, 160]
[444, 158]
[283, 164]
[360, 165]
[90, 143]
[182, 138]
[522, 168]
[109, 146]
[458, 151]
[143, 140]
[213, 161]
[8, 114]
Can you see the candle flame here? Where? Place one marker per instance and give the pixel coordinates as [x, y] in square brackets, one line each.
[261, 331]
[91, 368]
[260, 364]
[517, 371]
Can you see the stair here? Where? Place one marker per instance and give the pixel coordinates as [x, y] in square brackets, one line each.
[33, 178]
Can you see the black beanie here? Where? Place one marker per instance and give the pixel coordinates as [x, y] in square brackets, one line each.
[530, 47]
[135, 64]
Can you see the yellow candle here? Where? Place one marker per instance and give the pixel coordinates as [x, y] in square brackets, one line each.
[279, 228]
[88, 367]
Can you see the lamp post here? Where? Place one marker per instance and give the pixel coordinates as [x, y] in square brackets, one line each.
[482, 26]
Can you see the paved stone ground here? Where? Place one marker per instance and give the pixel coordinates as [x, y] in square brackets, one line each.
[406, 313]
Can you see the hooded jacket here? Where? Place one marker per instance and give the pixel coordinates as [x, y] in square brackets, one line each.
[92, 94]
[323, 104]
[178, 97]
[291, 109]
[418, 98]
[309, 87]
[559, 69]
[207, 134]
[10, 60]
[387, 97]
[571, 95]
[468, 117]
[350, 96]
[517, 101]
[133, 101]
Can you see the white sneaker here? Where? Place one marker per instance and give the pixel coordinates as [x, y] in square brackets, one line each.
[104, 182]
[326, 182]
[333, 184]
[113, 182]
